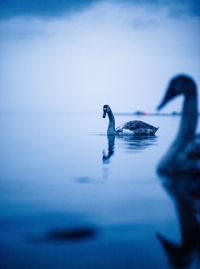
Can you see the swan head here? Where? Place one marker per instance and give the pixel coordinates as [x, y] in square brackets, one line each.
[181, 84]
[106, 109]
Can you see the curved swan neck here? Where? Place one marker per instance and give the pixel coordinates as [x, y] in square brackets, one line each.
[186, 133]
[189, 119]
[111, 125]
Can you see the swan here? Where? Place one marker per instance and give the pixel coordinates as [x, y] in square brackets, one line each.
[135, 127]
[183, 156]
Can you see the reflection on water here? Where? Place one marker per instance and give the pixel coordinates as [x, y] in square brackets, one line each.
[138, 143]
[185, 193]
[111, 149]
[129, 142]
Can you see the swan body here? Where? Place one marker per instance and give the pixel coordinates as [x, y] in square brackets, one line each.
[183, 156]
[135, 127]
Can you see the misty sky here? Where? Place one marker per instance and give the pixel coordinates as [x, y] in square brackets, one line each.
[78, 55]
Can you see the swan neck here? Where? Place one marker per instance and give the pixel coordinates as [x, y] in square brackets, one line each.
[175, 154]
[189, 119]
[111, 125]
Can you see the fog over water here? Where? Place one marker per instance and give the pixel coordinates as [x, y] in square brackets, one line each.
[112, 52]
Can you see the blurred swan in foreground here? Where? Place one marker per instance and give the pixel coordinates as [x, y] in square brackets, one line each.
[135, 127]
[183, 156]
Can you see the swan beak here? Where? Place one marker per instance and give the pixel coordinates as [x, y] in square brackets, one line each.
[104, 114]
[162, 104]
[170, 94]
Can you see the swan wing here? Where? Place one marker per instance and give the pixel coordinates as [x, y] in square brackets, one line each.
[127, 126]
[137, 127]
[137, 124]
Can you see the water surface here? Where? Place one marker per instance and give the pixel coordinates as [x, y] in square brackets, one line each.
[70, 197]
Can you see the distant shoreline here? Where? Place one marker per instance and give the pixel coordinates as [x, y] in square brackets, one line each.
[173, 114]
[65, 112]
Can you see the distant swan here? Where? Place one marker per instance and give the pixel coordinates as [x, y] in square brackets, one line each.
[183, 157]
[135, 127]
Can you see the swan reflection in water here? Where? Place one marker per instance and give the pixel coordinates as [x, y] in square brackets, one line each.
[111, 149]
[129, 142]
[137, 144]
[185, 193]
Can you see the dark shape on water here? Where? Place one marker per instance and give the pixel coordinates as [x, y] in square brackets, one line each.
[183, 157]
[71, 235]
[64, 235]
[83, 179]
[135, 127]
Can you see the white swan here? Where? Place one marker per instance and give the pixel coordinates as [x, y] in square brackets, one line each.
[183, 156]
[135, 127]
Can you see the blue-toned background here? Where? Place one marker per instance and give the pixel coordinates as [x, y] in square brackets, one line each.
[70, 197]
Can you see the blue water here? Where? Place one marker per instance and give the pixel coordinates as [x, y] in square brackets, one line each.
[71, 198]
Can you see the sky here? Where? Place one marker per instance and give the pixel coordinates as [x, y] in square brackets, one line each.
[76, 56]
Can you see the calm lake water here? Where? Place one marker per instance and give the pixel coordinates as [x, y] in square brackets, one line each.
[71, 198]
